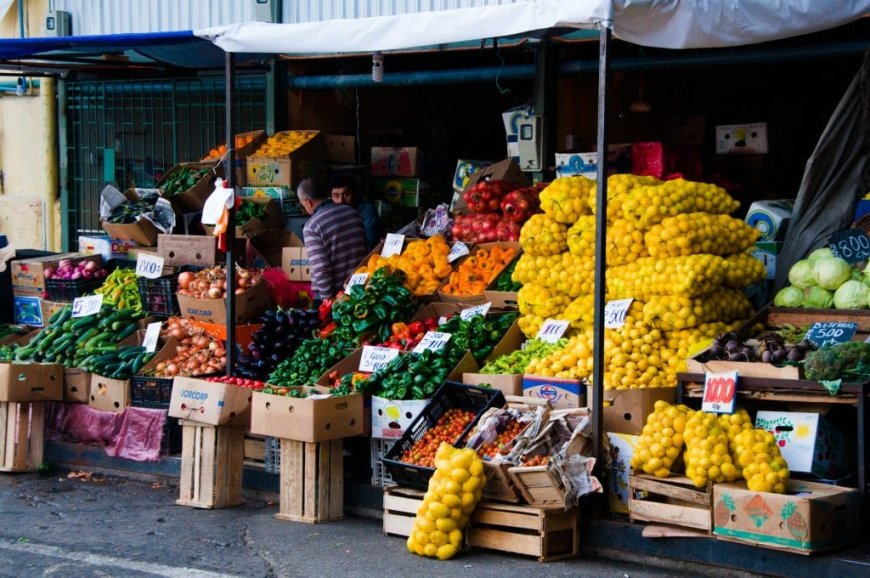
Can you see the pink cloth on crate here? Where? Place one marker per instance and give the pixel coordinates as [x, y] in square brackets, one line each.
[134, 434]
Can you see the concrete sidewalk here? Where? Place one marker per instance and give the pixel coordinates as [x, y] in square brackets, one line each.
[54, 526]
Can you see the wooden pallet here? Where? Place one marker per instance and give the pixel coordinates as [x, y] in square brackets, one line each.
[312, 481]
[212, 459]
[22, 433]
[673, 501]
[545, 534]
[539, 486]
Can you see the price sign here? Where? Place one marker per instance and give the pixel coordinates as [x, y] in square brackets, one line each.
[149, 266]
[85, 306]
[357, 279]
[552, 330]
[392, 244]
[459, 249]
[720, 391]
[615, 312]
[151, 335]
[442, 320]
[467, 314]
[828, 333]
[434, 340]
[852, 245]
[375, 358]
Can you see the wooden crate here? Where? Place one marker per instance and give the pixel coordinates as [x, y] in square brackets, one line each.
[22, 432]
[255, 450]
[400, 509]
[674, 501]
[312, 481]
[212, 459]
[539, 486]
[499, 486]
[543, 533]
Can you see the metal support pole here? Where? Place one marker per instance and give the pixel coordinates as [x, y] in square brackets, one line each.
[229, 162]
[600, 244]
[545, 93]
[66, 223]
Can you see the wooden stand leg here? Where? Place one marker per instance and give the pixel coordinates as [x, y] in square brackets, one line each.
[212, 458]
[312, 481]
[22, 435]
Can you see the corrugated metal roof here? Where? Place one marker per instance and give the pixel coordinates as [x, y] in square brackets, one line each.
[125, 16]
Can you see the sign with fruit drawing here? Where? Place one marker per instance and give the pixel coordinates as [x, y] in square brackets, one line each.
[720, 391]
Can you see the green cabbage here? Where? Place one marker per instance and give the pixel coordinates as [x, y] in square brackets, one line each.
[817, 298]
[851, 295]
[802, 274]
[789, 297]
[822, 253]
[832, 272]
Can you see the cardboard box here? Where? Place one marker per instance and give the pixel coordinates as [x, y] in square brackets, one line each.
[464, 170]
[257, 137]
[27, 274]
[209, 402]
[768, 253]
[622, 448]
[437, 310]
[628, 408]
[31, 382]
[396, 161]
[810, 443]
[27, 308]
[106, 247]
[401, 191]
[274, 220]
[294, 259]
[192, 199]
[309, 160]
[506, 170]
[771, 218]
[290, 206]
[561, 393]
[179, 250]
[583, 164]
[741, 139]
[391, 418]
[310, 419]
[810, 517]
[507, 384]
[479, 299]
[143, 232]
[76, 385]
[249, 306]
[342, 149]
[108, 394]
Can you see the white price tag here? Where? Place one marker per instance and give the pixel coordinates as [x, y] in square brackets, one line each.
[467, 314]
[433, 340]
[152, 333]
[552, 330]
[392, 244]
[615, 312]
[85, 306]
[720, 391]
[149, 266]
[459, 249]
[442, 320]
[357, 279]
[375, 358]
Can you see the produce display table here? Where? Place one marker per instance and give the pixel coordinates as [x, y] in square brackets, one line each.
[22, 432]
[312, 481]
[212, 460]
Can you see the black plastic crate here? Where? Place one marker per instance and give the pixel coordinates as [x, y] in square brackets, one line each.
[450, 395]
[70, 289]
[171, 442]
[151, 390]
[158, 295]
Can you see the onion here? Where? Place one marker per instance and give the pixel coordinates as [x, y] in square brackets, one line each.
[184, 279]
[215, 293]
[240, 291]
[178, 333]
[48, 273]
[91, 266]
[76, 275]
[64, 264]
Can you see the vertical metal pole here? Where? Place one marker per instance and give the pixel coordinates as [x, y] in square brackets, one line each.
[229, 161]
[63, 167]
[600, 242]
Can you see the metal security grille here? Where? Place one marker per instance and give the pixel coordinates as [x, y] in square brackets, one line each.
[129, 133]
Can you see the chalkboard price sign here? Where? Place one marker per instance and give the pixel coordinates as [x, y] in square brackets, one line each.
[852, 245]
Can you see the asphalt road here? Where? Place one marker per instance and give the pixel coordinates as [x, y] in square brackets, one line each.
[110, 527]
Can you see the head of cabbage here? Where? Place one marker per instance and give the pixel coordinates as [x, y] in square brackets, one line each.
[821, 253]
[851, 295]
[789, 297]
[831, 272]
[817, 298]
[802, 274]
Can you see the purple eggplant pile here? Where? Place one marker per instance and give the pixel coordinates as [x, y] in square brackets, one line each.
[282, 332]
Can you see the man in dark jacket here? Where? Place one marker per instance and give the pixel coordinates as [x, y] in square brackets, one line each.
[344, 193]
[333, 236]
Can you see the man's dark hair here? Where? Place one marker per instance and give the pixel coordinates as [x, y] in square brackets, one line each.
[344, 182]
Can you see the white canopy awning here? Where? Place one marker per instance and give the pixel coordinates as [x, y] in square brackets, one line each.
[659, 23]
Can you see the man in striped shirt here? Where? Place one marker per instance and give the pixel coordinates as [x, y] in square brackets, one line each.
[334, 237]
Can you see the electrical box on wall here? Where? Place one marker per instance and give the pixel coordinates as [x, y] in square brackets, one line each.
[530, 141]
[267, 10]
[58, 23]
